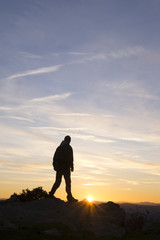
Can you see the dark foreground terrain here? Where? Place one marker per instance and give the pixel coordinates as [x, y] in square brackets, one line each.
[55, 219]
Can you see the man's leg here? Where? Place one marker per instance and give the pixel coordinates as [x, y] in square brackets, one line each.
[67, 177]
[57, 183]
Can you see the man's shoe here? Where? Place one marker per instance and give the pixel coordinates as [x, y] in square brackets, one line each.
[71, 199]
[51, 196]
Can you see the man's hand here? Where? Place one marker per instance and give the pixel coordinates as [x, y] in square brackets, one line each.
[72, 169]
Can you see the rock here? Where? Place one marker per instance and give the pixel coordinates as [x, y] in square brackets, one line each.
[135, 222]
[9, 224]
[99, 220]
[53, 232]
[113, 213]
[103, 229]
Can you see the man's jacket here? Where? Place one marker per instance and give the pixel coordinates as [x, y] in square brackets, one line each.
[63, 157]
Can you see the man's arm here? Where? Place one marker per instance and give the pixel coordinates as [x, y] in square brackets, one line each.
[55, 162]
[71, 158]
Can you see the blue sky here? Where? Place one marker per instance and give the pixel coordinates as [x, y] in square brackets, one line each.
[89, 69]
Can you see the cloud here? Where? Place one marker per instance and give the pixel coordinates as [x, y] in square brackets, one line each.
[30, 55]
[18, 118]
[36, 71]
[126, 189]
[77, 53]
[50, 129]
[48, 99]
[25, 166]
[130, 182]
[118, 162]
[93, 138]
[126, 52]
[5, 108]
[75, 114]
[132, 89]
[109, 56]
[121, 53]
[100, 56]
[128, 88]
[150, 168]
[96, 184]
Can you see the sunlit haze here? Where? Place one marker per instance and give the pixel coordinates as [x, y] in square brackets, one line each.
[88, 69]
[90, 199]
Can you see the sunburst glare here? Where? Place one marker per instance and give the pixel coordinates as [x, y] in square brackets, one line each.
[90, 199]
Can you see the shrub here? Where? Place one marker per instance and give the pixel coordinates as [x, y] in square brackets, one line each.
[35, 194]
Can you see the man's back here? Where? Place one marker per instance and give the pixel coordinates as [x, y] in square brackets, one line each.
[63, 157]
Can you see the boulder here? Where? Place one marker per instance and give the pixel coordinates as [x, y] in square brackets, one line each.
[113, 213]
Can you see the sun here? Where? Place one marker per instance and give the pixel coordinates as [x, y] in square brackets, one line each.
[90, 199]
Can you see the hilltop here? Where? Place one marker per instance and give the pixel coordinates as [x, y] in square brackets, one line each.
[47, 218]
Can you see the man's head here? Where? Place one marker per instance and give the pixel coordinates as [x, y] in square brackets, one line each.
[67, 139]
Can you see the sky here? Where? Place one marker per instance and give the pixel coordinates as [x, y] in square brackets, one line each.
[88, 69]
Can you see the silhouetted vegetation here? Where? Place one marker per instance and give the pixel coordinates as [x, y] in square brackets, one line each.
[29, 195]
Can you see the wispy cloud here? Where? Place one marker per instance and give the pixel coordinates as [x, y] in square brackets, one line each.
[150, 168]
[109, 56]
[96, 184]
[57, 129]
[36, 71]
[30, 55]
[129, 88]
[19, 166]
[78, 53]
[100, 56]
[47, 99]
[118, 54]
[130, 182]
[18, 118]
[126, 52]
[133, 89]
[120, 161]
[75, 114]
[5, 108]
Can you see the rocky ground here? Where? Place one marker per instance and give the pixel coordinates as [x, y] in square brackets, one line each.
[56, 219]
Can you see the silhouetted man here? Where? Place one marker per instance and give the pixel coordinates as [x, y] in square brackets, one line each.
[63, 165]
